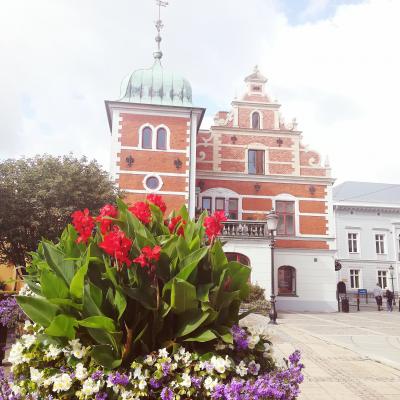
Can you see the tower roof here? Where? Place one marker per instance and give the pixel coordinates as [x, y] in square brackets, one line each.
[156, 85]
[256, 76]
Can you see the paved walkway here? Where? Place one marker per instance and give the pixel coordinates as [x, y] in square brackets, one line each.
[347, 356]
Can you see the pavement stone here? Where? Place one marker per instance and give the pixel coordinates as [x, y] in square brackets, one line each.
[347, 356]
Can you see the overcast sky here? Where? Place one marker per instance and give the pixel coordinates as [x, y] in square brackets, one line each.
[334, 65]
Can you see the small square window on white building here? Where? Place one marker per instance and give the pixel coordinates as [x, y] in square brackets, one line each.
[355, 279]
[352, 240]
[380, 243]
[382, 279]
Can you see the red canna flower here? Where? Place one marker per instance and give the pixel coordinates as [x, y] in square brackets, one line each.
[107, 211]
[142, 212]
[158, 201]
[148, 256]
[84, 224]
[173, 224]
[228, 284]
[117, 245]
[213, 224]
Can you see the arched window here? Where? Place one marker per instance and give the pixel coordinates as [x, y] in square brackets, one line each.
[147, 138]
[238, 258]
[255, 120]
[161, 139]
[286, 280]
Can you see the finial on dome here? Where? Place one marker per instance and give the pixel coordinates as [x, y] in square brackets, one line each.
[159, 26]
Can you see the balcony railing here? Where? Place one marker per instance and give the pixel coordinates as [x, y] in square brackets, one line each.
[245, 229]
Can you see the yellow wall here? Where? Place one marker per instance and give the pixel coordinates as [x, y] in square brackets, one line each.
[8, 274]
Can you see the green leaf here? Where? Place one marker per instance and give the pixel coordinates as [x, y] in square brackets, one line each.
[62, 326]
[146, 297]
[98, 322]
[66, 302]
[183, 296]
[224, 333]
[120, 303]
[182, 247]
[190, 321]
[38, 310]
[77, 282]
[218, 260]
[52, 286]
[55, 259]
[96, 294]
[106, 356]
[203, 291]
[202, 337]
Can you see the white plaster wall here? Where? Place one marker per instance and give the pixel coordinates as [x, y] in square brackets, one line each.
[368, 222]
[315, 280]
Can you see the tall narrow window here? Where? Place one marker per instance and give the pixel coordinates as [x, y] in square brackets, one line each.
[256, 162]
[285, 211]
[233, 209]
[382, 279]
[206, 204]
[380, 244]
[161, 139]
[352, 239]
[241, 258]
[219, 204]
[286, 281]
[255, 120]
[147, 138]
[355, 278]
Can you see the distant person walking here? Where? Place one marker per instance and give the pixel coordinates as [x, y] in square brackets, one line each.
[389, 299]
[378, 296]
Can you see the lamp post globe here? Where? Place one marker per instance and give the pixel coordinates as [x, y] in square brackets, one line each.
[272, 224]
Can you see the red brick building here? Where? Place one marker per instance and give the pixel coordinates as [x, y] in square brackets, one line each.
[247, 163]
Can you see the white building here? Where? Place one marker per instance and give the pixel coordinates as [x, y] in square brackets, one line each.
[368, 234]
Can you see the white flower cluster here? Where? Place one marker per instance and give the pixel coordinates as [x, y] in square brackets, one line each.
[26, 291]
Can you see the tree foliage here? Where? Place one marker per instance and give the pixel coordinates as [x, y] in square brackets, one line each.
[38, 195]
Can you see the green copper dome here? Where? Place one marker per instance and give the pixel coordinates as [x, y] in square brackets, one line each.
[155, 85]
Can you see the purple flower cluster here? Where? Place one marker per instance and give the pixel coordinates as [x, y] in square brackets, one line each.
[5, 389]
[167, 394]
[10, 312]
[240, 337]
[97, 375]
[119, 379]
[282, 385]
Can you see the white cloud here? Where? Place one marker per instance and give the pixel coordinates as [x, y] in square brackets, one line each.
[314, 8]
[339, 77]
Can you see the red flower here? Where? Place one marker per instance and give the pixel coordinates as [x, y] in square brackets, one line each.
[107, 211]
[158, 201]
[148, 256]
[213, 224]
[173, 224]
[228, 284]
[84, 224]
[142, 212]
[117, 245]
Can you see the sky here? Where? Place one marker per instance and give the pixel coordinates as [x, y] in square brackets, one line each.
[334, 65]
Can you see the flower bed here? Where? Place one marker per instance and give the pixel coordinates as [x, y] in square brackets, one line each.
[132, 305]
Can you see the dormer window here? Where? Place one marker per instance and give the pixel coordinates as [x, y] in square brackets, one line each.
[147, 138]
[255, 120]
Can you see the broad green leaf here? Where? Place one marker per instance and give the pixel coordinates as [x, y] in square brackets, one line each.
[120, 303]
[203, 291]
[55, 258]
[156, 213]
[190, 321]
[62, 326]
[53, 286]
[224, 333]
[77, 282]
[182, 247]
[99, 322]
[66, 302]
[183, 296]
[38, 310]
[106, 356]
[195, 243]
[218, 260]
[146, 297]
[202, 337]
[96, 294]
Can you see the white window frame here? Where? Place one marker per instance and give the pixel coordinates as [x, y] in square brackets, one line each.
[382, 245]
[227, 194]
[354, 275]
[350, 249]
[160, 183]
[382, 274]
[256, 146]
[260, 115]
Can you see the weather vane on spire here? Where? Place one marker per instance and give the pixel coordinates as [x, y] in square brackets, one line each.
[159, 25]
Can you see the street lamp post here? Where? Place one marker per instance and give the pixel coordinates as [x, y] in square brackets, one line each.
[391, 269]
[272, 224]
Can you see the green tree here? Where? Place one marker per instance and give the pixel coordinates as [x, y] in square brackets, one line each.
[38, 195]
